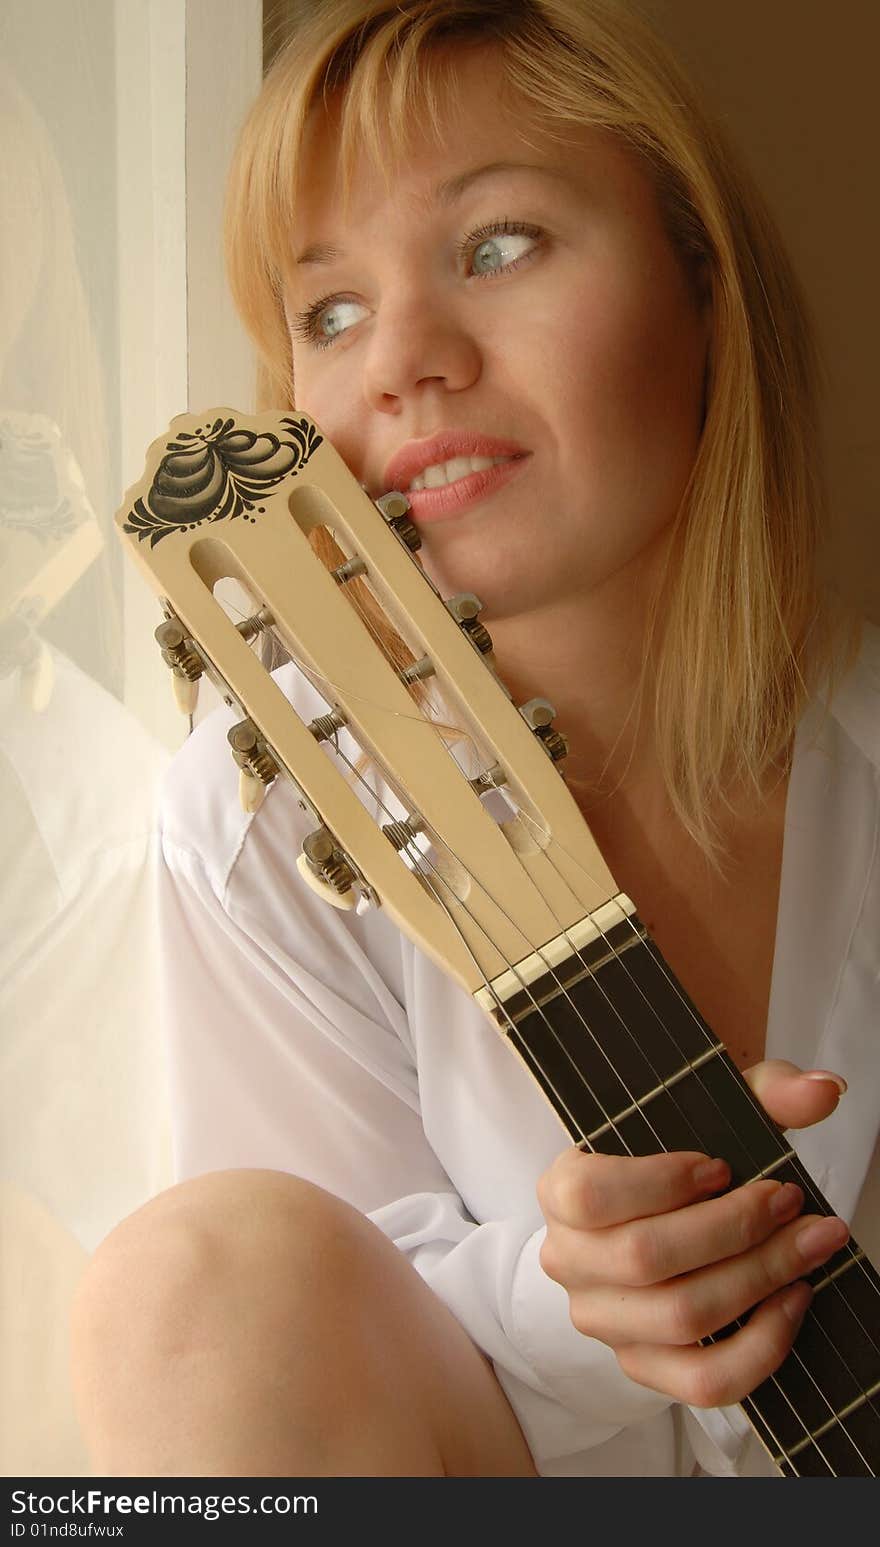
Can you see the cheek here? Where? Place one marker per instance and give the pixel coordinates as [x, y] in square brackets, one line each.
[631, 374]
[327, 397]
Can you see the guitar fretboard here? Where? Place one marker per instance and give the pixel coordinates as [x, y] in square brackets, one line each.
[631, 1068]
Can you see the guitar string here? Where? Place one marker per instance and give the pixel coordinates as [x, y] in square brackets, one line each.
[421, 860]
[621, 958]
[511, 967]
[857, 1260]
[810, 1189]
[591, 974]
[611, 1122]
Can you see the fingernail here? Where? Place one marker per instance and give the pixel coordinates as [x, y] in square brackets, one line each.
[795, 1301]
[786, 1201]
[827, 1077]
[711, 1173]
[818, 1240]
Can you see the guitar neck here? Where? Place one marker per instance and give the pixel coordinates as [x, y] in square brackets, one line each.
[631, 1068]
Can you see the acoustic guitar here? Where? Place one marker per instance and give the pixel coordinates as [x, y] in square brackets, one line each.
[493, 871]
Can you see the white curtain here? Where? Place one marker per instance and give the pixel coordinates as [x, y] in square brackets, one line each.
[100, 125]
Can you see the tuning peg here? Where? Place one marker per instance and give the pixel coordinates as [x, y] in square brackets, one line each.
[344, 900]
[251, 791]
[179, 652]
[186, 694]
[395, 508]
[326, 869]
[466, 609]
[258, 766]
[538, 714]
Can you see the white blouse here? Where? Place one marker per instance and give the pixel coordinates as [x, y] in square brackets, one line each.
[326, 1045]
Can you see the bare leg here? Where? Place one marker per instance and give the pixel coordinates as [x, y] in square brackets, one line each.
[247, 1323]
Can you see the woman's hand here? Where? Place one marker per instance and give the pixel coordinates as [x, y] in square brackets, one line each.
[652, 1261]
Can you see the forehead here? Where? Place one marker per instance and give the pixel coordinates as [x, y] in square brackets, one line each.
[477, 117]
[342, 207]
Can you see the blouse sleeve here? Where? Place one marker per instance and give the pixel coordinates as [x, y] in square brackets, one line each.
[287, 1048]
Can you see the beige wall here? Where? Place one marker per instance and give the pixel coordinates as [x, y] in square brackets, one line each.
[795, 84]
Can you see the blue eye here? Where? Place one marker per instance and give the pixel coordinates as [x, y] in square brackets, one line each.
[498, 246]
[501, 249]
[327, 319]
[337, 317]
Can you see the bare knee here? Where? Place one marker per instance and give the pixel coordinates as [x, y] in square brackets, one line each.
[153, 1272]
[254, 1293]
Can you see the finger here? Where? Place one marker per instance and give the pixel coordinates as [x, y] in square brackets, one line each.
[591, 1192]
[792, 1097]
[725, 1372]
[649, 1251]
[682, 1311]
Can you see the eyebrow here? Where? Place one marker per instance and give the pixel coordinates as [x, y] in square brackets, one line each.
[445, 193]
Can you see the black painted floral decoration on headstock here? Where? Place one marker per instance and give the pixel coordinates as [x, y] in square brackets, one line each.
[219, 473]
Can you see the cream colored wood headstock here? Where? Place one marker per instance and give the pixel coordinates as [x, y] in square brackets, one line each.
[229, 495]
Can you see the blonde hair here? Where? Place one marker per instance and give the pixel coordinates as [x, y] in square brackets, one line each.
[742, 630]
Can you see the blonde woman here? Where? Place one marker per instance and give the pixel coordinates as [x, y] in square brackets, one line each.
[463, 230]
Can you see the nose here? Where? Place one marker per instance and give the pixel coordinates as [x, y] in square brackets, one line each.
[418, 343]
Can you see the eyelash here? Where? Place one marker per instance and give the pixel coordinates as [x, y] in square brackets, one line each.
[305, 324]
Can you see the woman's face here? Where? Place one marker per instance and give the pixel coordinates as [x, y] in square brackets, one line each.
[541, 305]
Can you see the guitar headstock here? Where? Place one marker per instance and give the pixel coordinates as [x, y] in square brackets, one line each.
[226, 495]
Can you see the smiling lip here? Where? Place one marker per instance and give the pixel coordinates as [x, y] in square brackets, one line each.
[416, 455]
[451, 499]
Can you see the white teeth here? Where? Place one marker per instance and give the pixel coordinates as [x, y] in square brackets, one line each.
[449, 472]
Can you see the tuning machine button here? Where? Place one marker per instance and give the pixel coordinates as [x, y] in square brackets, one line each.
[187, 666]
[258, 766]
[395, 509]
[466, 609]
[325, 868]
[539, 714]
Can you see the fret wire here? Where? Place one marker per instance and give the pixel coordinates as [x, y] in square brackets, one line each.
[704, 1031]
[809, 1190]
[773, 1166]
[674, 1079]
[614, 953]
[810, 1187]
[423, 860]
[829, 1278]
[656, 956]
[847, 1412]
[778, 1377]
[612, 1124]
[563, 989]
[815, 1194]
[591, 974]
